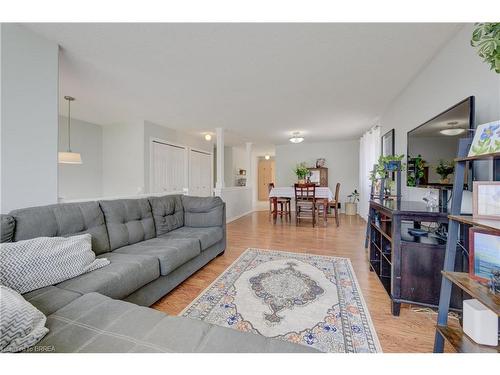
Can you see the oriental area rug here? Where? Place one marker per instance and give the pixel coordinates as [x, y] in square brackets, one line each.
[306, 299]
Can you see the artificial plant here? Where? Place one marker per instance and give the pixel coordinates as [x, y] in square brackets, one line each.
[353, 197]
[380, 171]
[445, 168]
[486, 38]
[301, 171]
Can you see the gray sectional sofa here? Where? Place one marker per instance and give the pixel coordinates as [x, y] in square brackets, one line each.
[153, 244]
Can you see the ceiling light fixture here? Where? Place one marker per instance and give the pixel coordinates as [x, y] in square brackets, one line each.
[208, 137]
[69, 157]
[267, 157]
[452, 130]
[296, 138]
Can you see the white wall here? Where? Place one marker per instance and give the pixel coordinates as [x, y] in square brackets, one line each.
[341, 160]
[455, 73]
[238, 201]
[85, 180]
[235, 158]
[228, 167]
[123, 159]
[152, 130]
[29, 110]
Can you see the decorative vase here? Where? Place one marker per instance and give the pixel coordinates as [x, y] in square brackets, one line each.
[302, 181]
[320, 163]
[351, 209]
[444, 180]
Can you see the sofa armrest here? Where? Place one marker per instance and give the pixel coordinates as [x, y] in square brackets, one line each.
[202, 212]
[7, 226]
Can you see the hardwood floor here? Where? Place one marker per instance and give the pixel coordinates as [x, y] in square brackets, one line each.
[412, 331]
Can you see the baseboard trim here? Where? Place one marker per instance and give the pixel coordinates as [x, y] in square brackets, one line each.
[239, 216]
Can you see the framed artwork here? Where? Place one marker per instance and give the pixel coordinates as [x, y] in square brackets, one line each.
[486, 200]
[486, 139]
[387, 143]
[484, 254]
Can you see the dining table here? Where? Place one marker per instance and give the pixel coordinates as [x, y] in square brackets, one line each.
[323, 195]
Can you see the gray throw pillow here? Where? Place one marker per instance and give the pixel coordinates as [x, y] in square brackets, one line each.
[21, 324]
[32, 264]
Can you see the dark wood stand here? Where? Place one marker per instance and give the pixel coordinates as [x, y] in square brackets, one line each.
[408, 266]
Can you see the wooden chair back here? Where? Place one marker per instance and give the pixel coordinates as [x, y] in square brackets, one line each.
[337, 192]
[270, 187]
[305, 192]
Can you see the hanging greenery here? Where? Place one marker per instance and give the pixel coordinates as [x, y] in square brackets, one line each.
[486, 38]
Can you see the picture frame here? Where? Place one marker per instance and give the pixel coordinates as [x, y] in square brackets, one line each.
[484, 254]
[486, 139]
[486, 200]
[387, 143]
[387, 148]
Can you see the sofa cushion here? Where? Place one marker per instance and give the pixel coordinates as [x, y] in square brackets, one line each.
[203, 211]
[124, 275]
[128, 221]
[7, 226]
[94, 323]
[50, 298]
[168, 213]
[206, 236]
[170, 253]
[63, 220]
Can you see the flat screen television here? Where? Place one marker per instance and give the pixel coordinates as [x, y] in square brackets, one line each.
[435, 142]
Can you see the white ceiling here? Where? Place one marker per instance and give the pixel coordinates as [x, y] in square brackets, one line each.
[260, 81]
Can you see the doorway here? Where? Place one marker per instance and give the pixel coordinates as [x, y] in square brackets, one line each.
[266, 175]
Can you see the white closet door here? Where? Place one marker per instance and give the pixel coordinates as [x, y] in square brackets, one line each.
[206, 175]
[168, 168]
[200, 175]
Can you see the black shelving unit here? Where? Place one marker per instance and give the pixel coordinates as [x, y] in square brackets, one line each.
[454, 335]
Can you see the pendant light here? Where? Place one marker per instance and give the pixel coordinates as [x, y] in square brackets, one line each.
[296, 138]
[69, 157]
[452, 130]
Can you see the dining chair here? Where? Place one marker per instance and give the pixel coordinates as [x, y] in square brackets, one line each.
[305, 202]
[284, 204]
[335, 203]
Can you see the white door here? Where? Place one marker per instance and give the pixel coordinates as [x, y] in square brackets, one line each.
[200, 173]
[168, 168]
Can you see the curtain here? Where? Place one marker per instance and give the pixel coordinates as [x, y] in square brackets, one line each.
[369, 151]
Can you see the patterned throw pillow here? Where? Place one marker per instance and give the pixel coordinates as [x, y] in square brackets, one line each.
[21, 325]
[39, 262]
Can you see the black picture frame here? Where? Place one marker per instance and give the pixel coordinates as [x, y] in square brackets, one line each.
[387, 147]
[387, 143]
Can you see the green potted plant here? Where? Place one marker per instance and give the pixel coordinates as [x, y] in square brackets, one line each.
[302, 172]
[351, 206]
[385, 164]
[444, 169]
